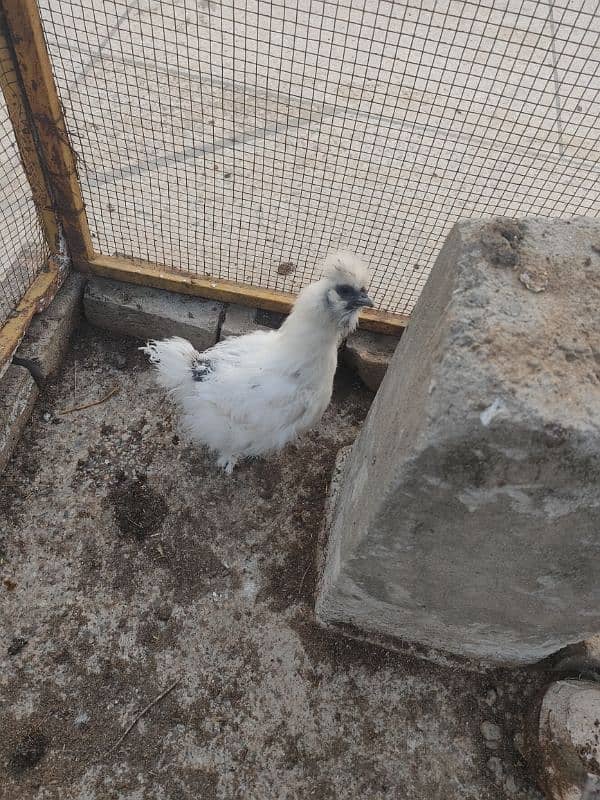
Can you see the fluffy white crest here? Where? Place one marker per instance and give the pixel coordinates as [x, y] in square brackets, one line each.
[346, 267]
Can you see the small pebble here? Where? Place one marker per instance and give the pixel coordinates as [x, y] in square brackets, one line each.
[519, 743]
[510, 785]
[163, 613]
[491, 733]
[47, 416]
[495, 767]
[491, 697]
[16, 646]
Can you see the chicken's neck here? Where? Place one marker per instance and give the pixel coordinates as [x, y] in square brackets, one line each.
[310, 341]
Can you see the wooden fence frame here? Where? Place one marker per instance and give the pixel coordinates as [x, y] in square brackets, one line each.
[51, 167]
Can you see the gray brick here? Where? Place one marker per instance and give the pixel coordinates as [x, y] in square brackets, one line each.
[239, 320]
[151, 313]
[18, 393]
[47, 339]
[369, 354]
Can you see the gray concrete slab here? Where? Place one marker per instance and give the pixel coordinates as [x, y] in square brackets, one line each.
[370, 355]
[47, 339]
[239, 320]
[18, 393]
[467, 513]
[151, 313]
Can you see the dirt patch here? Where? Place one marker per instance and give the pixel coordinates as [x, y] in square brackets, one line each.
[17, 644]
[286, 268]
[292, 570]
[139, 509]
[202, 783]
[500, 240]
[327, 646]
[29, 752]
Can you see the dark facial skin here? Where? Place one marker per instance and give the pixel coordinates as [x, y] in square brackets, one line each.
[353, 297]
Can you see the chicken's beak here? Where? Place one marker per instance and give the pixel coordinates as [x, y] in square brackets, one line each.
[363, 300]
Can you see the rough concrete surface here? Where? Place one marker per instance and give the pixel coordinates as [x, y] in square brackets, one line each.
[566, 740]
[370, 355]
[47, 339]
[17, 397]
[129, 562]
[239, 320]
[582, 658]
[151, 313]
[469, 512]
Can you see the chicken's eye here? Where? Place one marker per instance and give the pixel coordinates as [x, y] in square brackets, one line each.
[345, 290]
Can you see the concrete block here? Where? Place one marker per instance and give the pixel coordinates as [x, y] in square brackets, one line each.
[18, 393]
[239, 320]
[469, 512]
[151, 313]
[47, 339]
[565, 741]
[369, 354]
[582, 658]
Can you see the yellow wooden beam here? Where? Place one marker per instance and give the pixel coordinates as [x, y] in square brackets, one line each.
[35, 299]
[145, 273]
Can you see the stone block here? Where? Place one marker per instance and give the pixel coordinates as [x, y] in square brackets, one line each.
[47, 339]
[565, 741]
[239, 320]
[369, 354]
[582, 658]
[151, 313]
[468, 515]
[18, 393]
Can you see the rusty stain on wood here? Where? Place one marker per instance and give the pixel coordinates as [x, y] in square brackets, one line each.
[17, 107]
[24, 28]
[36, 299]
[144, 273]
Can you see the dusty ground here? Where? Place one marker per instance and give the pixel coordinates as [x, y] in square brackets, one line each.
[128, 563]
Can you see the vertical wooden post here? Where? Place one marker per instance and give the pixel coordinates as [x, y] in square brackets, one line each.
[24, 28]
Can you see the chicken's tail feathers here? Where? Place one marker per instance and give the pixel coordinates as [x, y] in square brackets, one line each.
[176, 361]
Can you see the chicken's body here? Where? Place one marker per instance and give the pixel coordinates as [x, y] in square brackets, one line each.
[250, 395]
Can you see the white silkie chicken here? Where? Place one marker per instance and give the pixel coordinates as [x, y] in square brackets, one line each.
[250, 395]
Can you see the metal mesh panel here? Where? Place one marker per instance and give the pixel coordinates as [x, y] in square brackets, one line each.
[23, 251]
[245, 139]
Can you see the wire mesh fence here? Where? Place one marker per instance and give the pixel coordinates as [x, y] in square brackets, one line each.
[23, 251]
[244, 138]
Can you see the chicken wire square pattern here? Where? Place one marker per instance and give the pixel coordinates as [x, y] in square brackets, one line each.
[237, 138]
[23, 251]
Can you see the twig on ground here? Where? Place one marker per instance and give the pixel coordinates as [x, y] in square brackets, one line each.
[106, 397]
[303, 579]
[141, 714]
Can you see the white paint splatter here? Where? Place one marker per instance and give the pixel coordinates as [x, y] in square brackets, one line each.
[492, 411]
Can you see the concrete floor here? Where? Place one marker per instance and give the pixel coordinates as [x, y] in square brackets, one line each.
[128, 562]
